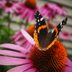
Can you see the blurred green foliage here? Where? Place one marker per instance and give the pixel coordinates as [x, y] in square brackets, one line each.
[5, 34]
[5, 31]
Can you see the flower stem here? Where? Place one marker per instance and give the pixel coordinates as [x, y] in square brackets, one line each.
[9, 20]
[9, 23]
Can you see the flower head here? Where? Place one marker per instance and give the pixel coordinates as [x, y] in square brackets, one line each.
[50, 10]
[9, 6]
[2, 3]
[65, 35]
[24, 58]
[30, 58]
[27, 10]
[29, 7]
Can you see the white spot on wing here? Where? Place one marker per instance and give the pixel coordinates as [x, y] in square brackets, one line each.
[38, 20]
[41, 19]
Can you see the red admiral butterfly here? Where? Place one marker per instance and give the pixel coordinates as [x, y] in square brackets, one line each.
[44, 35]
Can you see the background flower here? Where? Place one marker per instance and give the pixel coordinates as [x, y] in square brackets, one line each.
[50, 10]
[28, 9]
[65, 35]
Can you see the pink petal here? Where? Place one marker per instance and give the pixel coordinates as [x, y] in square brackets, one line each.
[68, 67]
[20, 68]
[30, 17]
[17, 36]
[12, 53]
[23, 39]
[57, 8]
[27, 45]
[69, 62]
[12, 61]
[27, 36]
[65, 35]
[24, 15]
[20, 42]
[18, 33]
[14, 47]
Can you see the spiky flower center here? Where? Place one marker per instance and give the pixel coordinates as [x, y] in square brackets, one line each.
[30, 4]
[8, 4]
[51, 60]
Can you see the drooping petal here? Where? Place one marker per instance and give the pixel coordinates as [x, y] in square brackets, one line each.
[27, 45]
[23, 39]
[20, 68]
[13, 61]
[12, 53]
[17, 36]
[14, 47]
[28, 37]
[21, 42]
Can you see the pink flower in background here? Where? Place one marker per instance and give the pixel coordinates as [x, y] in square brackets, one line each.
[9, 6]
[27, 10]
[50, 10]
[2, 2]
[58, 9]
[19, 56]
[65, 35]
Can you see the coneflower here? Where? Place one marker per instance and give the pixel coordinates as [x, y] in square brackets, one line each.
[45, 54]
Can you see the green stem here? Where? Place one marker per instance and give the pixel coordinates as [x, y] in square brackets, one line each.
[9, 21]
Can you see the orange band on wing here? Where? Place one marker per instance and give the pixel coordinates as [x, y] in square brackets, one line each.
[41, 27]
[38, 45]
[52, 43]
[36, 39]
[37, 42]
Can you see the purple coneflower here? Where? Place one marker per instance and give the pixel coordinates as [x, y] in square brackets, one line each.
[65, 35]
[15, 55]
[45, 54]
[9, 6]
[27, 10]
[50, 10]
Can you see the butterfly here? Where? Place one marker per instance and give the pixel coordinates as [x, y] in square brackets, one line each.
[45, 34]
